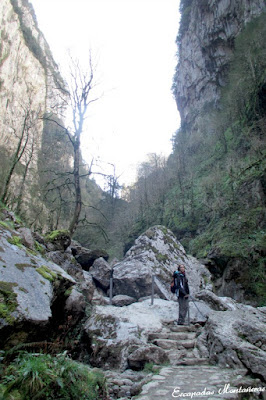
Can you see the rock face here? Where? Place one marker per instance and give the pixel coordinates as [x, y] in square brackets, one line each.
[207, 38]
[29, 76]
[236, 338]
[156, 253]
[31, 291]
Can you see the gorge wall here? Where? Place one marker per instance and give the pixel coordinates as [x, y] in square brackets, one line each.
[30, 86]
[219, 151]
[206, 45]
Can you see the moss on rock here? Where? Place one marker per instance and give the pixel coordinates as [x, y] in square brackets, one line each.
[47, 273]
[8, 301]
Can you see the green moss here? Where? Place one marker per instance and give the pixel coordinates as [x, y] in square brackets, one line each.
[16, 240]
[39, 247]
[150, 367]
[47, 273]
[8, 301]
[22, 267]
[55, 235]
[161, 257]
[23, 289]
[68, 291]
[8, 225]
[31, 252]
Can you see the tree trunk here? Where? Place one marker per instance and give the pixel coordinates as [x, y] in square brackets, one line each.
[78, 203]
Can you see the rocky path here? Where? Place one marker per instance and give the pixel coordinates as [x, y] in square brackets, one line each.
[188, 375]
[198, 382]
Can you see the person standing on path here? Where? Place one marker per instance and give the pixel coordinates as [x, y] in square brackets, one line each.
[182, 292]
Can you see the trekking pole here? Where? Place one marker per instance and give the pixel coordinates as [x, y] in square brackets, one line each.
[111, 285]
[152, 289]
[190, 297]
[188, 316]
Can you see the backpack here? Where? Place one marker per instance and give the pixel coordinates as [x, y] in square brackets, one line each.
[173, 285]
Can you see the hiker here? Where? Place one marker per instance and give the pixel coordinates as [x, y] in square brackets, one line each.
[182, 292]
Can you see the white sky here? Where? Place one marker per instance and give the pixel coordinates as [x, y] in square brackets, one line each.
[134, 44]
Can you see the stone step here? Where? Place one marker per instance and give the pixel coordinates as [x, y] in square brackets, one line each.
[172, 335]
[168, 344]
[190, 361]
[184, 328]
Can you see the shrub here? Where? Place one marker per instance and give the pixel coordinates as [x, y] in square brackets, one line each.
[42, 376]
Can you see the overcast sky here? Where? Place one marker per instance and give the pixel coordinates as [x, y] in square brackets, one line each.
[133, 42]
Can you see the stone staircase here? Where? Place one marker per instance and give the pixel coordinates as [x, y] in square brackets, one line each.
[179, 342]
[189, 375]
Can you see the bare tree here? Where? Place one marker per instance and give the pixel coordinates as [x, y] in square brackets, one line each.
[80, 88]
[25, 144]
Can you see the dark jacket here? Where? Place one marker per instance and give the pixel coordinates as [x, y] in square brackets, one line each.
[181, 284]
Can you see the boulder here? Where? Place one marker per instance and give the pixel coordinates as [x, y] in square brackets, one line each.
[157, 253]
[67, 262]
[58, 240]
[215, 302]
[31, 291]
[116, 332]
[146, 354]
[87, 286]
[87, 257]
[101, 272]
[237, 338]
[122, 300]
[27, 238]
[39, 238]
[75, 304]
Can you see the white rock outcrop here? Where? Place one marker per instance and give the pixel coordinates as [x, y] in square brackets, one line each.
[157, 253]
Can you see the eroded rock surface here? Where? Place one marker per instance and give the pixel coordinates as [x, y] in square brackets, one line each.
[158, 253]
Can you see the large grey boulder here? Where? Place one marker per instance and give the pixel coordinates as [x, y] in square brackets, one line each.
[57, 240]
[101, 271]
[146, 354]
[87, 286]
[29, 287]
[215, 302]
[237, 338]
[158, 253]
[75, 304]
[117, 332]
[86, 257]
[27, 237]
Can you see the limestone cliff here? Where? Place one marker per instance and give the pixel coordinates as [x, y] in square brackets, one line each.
[219, 150]
[206, 43]
[29, 87]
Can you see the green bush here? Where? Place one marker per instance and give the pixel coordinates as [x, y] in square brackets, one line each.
[42, 376]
